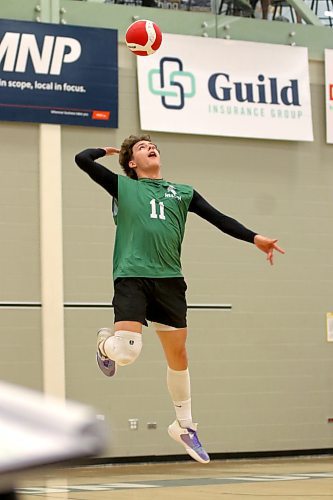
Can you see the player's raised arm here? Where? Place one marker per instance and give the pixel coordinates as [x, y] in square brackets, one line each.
[100, 174]
[231, 226]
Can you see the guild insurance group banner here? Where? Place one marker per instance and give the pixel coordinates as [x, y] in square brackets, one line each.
[58, 74]
[329, 94]
[220, 87]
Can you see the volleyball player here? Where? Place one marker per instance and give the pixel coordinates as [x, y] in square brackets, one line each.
[150, 214]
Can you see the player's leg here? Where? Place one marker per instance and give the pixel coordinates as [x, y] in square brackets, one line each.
[169, 315]
[178, 378]
[119, 347]
[123, 345]
[182, 430]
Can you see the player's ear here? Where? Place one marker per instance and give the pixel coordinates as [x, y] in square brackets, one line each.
[132, 164]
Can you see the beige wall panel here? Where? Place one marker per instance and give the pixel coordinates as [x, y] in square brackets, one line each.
[88, 232]
[21, 347]
[88, 224]
[19, 213]
[137, 392]
[249, 392]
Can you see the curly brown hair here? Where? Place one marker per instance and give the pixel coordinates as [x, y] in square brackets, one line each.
[126, 153]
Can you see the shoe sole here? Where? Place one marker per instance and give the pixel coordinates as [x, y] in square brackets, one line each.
[191, 452]
[106, 371]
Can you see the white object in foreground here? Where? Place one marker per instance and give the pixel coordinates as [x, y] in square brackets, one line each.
[38, 430]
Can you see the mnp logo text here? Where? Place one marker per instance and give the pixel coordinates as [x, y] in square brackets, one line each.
[172, 83]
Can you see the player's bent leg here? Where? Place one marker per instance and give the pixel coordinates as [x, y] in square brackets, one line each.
[106, 363]
[123, 347]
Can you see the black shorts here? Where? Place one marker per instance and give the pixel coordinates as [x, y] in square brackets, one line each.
[161, 300]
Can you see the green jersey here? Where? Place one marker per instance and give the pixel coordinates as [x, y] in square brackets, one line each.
[150, 215]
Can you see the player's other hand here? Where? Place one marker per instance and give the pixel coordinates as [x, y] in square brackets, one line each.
[111, 151]
[268, 246]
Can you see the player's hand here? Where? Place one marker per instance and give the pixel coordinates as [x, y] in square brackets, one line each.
[111, 151]
[268, 246]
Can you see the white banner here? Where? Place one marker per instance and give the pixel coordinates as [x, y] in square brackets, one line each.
[210, 86]
[329, 94]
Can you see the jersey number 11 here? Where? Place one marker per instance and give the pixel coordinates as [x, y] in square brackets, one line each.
[153, 213]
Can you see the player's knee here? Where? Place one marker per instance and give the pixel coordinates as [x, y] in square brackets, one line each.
[180, 354]
[123, 347]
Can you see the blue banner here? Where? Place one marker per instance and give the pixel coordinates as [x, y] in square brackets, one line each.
[59, 74]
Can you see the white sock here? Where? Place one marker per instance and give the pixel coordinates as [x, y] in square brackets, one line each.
[179, 387]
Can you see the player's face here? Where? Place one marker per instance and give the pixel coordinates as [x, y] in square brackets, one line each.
[146, 158]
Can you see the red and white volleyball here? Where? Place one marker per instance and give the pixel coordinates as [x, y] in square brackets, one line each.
[143, 37]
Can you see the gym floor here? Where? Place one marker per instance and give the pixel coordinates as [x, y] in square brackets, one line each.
[309, 478]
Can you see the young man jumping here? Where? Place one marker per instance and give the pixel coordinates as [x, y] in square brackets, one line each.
[150, 214]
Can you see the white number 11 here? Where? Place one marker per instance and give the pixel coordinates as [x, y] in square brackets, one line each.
[153, 213]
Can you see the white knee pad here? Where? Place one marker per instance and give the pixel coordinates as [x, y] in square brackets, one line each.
[123, 347]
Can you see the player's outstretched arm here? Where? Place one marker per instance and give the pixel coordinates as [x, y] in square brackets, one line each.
[232, 227]
[268, 246]
[103, 176]
[223, 222]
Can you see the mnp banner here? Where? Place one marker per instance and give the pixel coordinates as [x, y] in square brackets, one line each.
[58, 74]
[210, 86]
[329, 94]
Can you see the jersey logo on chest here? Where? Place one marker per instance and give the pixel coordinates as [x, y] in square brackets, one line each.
[172, 193]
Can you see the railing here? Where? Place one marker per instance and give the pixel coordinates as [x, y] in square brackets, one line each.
[103, 305]
[273, 10]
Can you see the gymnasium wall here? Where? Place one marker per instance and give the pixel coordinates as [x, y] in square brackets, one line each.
[21, 348]
[261, 372]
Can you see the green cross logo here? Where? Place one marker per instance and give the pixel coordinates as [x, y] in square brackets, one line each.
[171, 83]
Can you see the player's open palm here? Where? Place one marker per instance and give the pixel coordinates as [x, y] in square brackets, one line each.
[111, 151]
[268, 246]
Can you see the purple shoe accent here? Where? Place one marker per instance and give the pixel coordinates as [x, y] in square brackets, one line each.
[191, 440]
[106, 365]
